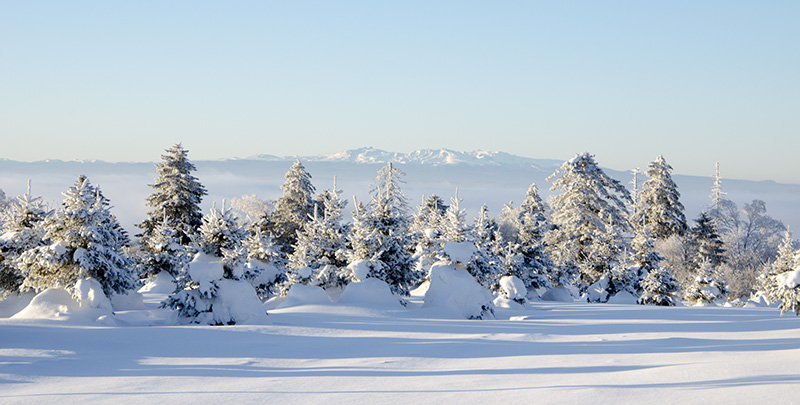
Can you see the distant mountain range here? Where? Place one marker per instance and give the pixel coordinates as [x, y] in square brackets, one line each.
[494, 178]
[432, 157]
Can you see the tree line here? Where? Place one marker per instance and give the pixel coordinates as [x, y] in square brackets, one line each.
[593, 239]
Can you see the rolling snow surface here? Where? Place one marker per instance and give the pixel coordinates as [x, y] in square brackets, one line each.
[337, 354]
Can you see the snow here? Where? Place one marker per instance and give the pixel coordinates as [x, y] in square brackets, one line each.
[792, 278]
[127, 302]
[370, 293]
[623, 297]
[237, 300]
[558, 294]
[59, 305]
[361, 268]
[459, 252]
[453, 292]
[162, 283]
[14, 303]
[544, 352]
[205, 269]
[300, 294]
[513, 287]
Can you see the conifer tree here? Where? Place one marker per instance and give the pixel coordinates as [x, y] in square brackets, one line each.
[21, 229]
[659, 288]
[706, 242]
[589, 217]
[292, 210]
[320, 255]
[86, 241]
[658, 208]
[380, 233]
[707, 288]
[485, 265]
[177, 196]
[162, 252]
[779, 284]
[215, 272]
[426, 232]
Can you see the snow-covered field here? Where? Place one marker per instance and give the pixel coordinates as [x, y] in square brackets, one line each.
[546, 352]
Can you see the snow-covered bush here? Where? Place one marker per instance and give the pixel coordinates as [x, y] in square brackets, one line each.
[706, 288]
[213, 290]
[659, 288]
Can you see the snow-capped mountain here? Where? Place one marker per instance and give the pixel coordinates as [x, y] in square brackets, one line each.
[432, 157]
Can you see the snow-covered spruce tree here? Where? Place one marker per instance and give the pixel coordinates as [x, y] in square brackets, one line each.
[482, 265]
[265, 267]
[654, 283]
[176, 198]
[320, 255]
[707, 288]
[213, 290]
[535, 268]
[162, 251]
[706, 242]
[20, 230]
[426, 233]
[659, 288]
[658, 208]
[380, 233]
[589, 217]
[784, 282]
[86, 241]
[292, 210]
[644, 258]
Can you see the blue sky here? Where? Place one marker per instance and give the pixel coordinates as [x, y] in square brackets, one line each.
[696, 81]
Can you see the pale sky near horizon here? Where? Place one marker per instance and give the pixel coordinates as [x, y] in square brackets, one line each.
[696, 81]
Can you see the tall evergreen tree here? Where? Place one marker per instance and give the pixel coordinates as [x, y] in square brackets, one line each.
[177, 196]
[320, 255]
[589, 217]
[658, 208]
[380, 232]
[292, 210]
[533, 265]
[21, 229]
[86, 241]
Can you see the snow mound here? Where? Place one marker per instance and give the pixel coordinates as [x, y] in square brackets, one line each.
[14, 303]
[454, 292]
[623, 297]
[58, 304]
[301, 294]
[791, 279]
[237, 300]
[514, 288]
[370, 292]
[162, 283]
[558, 294]
[504, 302]
[129, 301]
[361, 268]
[459, 252]
[757, 301]
[90, 295]
[205, 269]
[597, 292]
